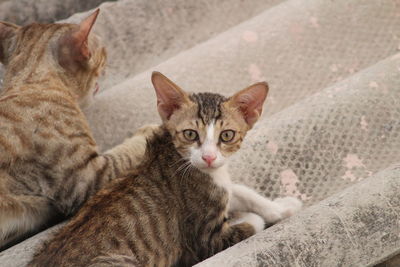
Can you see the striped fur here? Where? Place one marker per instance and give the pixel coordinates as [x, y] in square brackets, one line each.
[171, 213]
[164, 216]
[49, 162]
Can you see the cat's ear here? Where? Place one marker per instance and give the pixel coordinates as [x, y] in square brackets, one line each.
[7, 31]
[169, 96]
[249, 101]
[74, 46]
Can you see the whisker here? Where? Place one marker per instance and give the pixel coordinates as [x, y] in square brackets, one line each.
[187, 171]
[181, 167]
[176, 162]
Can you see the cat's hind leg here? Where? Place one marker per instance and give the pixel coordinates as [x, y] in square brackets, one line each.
[21, 216]
[247, 200]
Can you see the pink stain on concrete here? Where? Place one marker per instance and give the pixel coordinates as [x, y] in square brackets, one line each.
[348, 175]
[373, 84]
[296, 30]
[338, 89]
[250, 36]
[352, 68]
[364, 123]
[255, 73]
[395, 57]
[352, 160]
[314, 22]
[383, 88]
[334, 67]
[272, 147]
[339, 78]
[289, 181]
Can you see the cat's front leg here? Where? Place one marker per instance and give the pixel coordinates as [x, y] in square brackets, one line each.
[118, 162]
[130, 154]
[247, 200]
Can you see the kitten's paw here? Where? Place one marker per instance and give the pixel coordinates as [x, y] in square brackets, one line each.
[272, 213]
[289, 205]
[254, 220]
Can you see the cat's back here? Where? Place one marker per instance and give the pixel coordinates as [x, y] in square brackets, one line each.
[35, 121]
[35, 104]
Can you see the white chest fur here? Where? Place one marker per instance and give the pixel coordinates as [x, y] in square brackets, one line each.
[222, 178]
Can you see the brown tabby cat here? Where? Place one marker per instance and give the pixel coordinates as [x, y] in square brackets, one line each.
[49, 162]
[173, 212]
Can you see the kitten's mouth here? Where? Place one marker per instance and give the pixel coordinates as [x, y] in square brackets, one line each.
[207, 169]
[96, 89]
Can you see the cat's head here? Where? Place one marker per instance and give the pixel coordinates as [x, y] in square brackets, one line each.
[70, 52]
[207, 128]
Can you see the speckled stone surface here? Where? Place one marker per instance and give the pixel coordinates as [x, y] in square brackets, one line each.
[140, 34]
[356, 227]
[330, 130]
[23, 12]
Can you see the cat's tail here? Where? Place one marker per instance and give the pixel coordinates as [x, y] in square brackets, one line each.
[22, 216]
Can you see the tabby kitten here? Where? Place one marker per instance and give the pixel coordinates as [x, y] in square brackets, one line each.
[49, 162]
[174, 211]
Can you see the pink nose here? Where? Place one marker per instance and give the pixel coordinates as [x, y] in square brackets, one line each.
[209, 159]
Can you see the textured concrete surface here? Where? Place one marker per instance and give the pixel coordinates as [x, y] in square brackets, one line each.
[331, 122]
[23, 12]
[356, 227]
[140, 34]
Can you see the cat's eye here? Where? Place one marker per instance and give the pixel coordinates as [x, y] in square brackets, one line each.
[190, 135]
[227, 135]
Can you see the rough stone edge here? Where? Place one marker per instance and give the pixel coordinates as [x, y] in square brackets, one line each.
[357, 227]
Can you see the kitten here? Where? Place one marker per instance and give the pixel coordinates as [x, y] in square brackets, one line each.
[49, 163]
[173, 212]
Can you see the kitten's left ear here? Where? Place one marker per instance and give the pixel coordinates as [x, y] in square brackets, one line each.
[7, 31]
[250, 101]
[74, 45]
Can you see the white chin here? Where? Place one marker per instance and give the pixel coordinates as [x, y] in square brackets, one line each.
[208, 169]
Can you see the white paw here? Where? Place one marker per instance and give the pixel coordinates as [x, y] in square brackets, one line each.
[272, 212]
[289, 206]
[253, 219]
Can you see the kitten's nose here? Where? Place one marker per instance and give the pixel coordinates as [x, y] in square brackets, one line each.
[209, 159]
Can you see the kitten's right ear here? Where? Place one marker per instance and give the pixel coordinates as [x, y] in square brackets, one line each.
[7, 31]
[169, 96]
